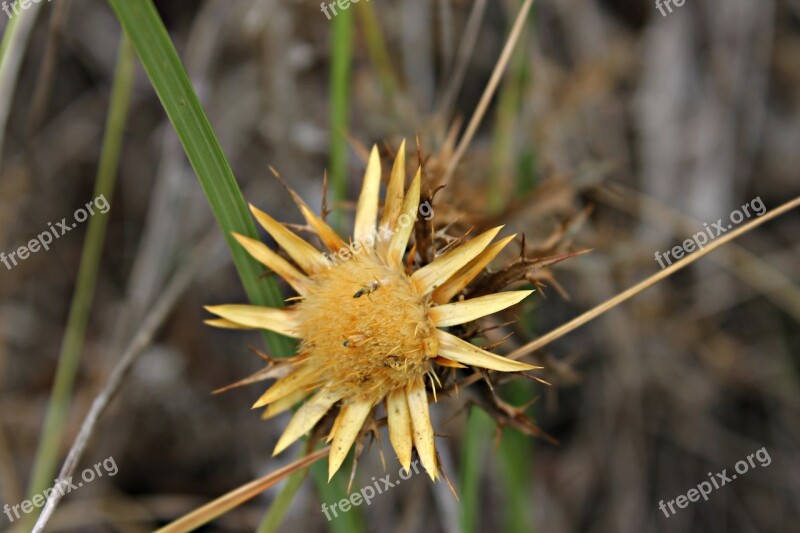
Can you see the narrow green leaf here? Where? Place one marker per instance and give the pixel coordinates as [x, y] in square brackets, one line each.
[144, 28]
[515, 455]
[473, 456]
[333, 492]
[280, 506]
[341, 52]
[8, 35]
[376, 47]
[506, 127]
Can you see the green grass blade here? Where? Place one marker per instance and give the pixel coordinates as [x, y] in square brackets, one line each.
[8, 35]
[144, 28]
[502, 165]
[476, 444]
[44, 469]
[330, 493]
[517, 451]
[341, 57]
[376, 48]
[277, 511]
[17, 34]
[515, 455]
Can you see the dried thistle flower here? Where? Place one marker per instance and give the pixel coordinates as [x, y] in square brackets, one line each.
[369, 331]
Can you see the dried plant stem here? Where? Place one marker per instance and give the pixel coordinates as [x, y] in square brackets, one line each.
[272, 521]
[465, 49]
[649, 282]
[502, 162]
[236, 497]
[179, 283]
[773, 284]
[488, 93]
[72, 345]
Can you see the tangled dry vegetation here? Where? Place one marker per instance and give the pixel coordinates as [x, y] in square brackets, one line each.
[614, 130]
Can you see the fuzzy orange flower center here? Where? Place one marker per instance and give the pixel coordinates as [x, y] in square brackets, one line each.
[366, 328]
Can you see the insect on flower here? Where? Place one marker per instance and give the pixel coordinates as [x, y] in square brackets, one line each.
[354, 352]
[367, 289]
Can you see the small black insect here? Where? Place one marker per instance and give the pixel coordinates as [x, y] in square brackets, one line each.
[367, 289]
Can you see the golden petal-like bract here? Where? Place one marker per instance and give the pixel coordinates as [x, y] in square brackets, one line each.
[283, 321]
[462, 312]
[399, 426]
[369, 332]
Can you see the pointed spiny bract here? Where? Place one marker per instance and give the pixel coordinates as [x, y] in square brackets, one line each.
[226, 324]
[283, 320]
[332, 432]
[305, 255]
[349, 423]
[455, 349]
[274, 262]
[296, 197]
[307, 417]
[421, 426]
[462, 312]
[329, 238]
[367, 209]
[448, 290]
[443, 267]
[394, 191]
[399, 240]
[284, 404]
[399, 426]
[301, 379]
[441, 361]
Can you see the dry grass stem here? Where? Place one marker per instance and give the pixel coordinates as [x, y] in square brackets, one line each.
[627, 294]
